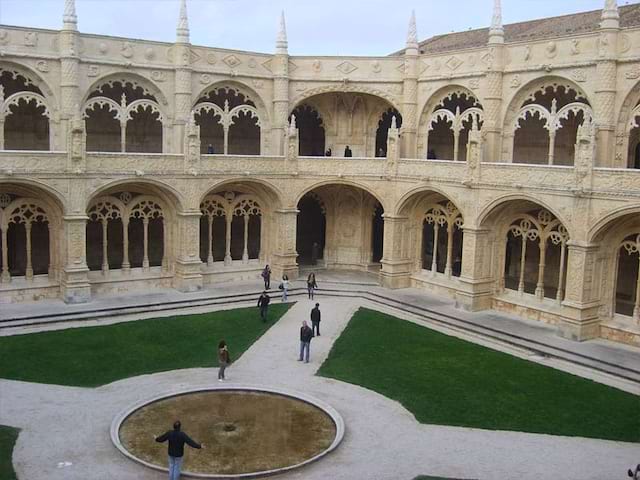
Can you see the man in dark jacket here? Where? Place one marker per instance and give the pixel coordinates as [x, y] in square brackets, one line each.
[263, 305]
[315, 320]
[306, 334]
[177, 439]
[347, 151]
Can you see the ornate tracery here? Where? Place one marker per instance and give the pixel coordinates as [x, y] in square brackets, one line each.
[442, 218]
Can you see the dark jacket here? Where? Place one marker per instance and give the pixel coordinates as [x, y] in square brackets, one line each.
[177, 439]
[315, 315]
[264, 300]
[306, 334]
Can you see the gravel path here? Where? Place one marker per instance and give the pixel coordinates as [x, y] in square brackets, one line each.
[65, 431]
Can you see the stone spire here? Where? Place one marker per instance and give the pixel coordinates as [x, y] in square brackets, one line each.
[412, 34]
[496, 32]
[610, 15]
[182, 32]
[281, 40]
[69, 18]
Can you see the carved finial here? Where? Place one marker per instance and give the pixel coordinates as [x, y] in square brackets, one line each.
[123, 101]
[182, 32]
[412, 33]
[292, 125]
[554, 106]
[496, 32]
[394, 123]
[610, 15]
[69, 18]
[474, 123]
[281, 40]
[226, 106]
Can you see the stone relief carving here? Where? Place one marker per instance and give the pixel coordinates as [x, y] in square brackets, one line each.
[93, 71]
[316, 66]
[346, 67]
[575, 46]
[376, 67]
[42, 66]
[579, 76]
[453, 63]
[4, 37]
[149, 53]
[103, 48]
[527, 53]
[31, 39]
[126, 50]
[252, 63]
[158, 76]
[551, 50]
[515, 81]
[232, 61]
[211, 58]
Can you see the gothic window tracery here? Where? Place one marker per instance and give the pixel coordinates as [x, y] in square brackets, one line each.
[229, 122]
[627, 292]
[535, 257]
[545, 126]
[122, 115]
[311, 131]
[449, 123]
[25, 115]
[442, 239]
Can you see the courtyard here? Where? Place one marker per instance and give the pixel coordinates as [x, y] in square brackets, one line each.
[417, 397]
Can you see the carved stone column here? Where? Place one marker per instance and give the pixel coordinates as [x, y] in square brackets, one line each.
[410, 92]
[188, 277]
[192, 147]
[280, 89]
[476, 280]
[393, 149]
[74, 283]
[492, 127]
[396, 266]
[285, 255]
[69, 81]
[292, 148]
[606, 78]
[581, 304]
[77, 145]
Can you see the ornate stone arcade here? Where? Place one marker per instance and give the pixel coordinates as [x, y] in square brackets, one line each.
[503, 174]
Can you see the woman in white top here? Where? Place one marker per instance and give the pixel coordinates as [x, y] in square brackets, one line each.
[285, 287]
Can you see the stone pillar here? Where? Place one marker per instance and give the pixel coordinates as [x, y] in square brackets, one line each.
[192, 147]
[581, 304]
[69, 75]
[188, 277]
[74, 283]
[183, 90]
[474, 154]
[77, 145]
[393, 149]
[285, 255]
[492, 103]
[280, 89]
[606, 78]
[476, 281]
[293, 148]
[585, 156]
[410, 92]
[396, 266]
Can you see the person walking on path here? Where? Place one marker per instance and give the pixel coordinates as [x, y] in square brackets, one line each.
[284, 286]
[306, 334]
[176, 439]
[315, 320]
[224, 359]
[263, 305]
[266, 276]
[311, 284]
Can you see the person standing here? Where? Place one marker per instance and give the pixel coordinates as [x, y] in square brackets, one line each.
[311, 285]
[284, 286]
[315, 320]
[266, 276]
[306, 334]
[327, 153]
[224, 359]
[347, 151]
[210, 149]
[263, 305]
[176, 439]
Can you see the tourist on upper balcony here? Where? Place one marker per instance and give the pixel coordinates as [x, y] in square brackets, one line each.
[210, 149]
[381, 153]
[347, 151]
[328, 152]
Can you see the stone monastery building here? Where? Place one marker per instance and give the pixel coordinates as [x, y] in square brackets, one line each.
[499, 166]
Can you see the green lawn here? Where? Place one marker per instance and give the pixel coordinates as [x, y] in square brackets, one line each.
[8, 437]
[93, 356]
[447, 381]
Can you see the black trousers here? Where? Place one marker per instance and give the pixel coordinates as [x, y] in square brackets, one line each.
[263, 312]
[315, 327]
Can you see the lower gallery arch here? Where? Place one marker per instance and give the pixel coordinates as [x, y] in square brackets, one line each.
[530, 252]
[434, 237]
[129, 235]
[236, 228]
[30, 224]
[618, 260]
[339, 226]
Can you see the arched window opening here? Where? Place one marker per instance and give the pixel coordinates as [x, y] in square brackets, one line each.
[123, 116]
[311, 228]
[536, 256]
[634, 138]
[311, 131]
[627, 298]
[229, 122]
[384, 124]
[442, 239]
[24, 115]
[449, 123]
[553, 111]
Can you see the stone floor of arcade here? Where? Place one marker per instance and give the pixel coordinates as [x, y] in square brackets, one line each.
[385, 437]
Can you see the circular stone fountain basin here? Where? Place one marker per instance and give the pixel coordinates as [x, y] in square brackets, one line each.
[246, 431]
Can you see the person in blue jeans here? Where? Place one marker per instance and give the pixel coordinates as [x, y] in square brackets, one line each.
[306, 334]
[176, 439]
